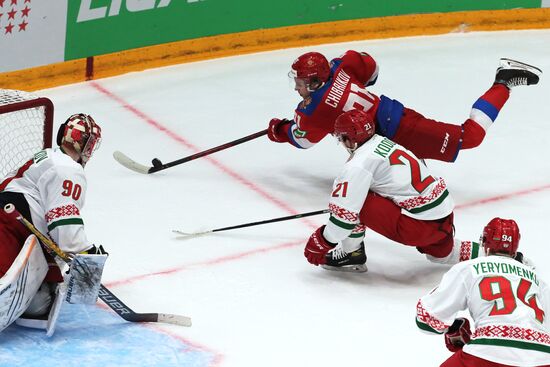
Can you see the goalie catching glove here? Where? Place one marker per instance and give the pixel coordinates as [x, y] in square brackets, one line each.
[317, 247]
[458, 335]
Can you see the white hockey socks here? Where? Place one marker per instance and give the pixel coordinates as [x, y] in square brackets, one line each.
[462, 251]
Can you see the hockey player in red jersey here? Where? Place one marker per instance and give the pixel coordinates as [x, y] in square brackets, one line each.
[386, 188]
[509, 304]
[49, 191]
[330, 89]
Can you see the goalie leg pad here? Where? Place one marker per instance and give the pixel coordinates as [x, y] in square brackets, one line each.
[60, 294]
[40, 303]
[50, 322]
[21, 282]
[84, 278]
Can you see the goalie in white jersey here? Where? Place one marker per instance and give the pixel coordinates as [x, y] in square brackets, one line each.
[386, 188]
[49, 191]
[509, 305]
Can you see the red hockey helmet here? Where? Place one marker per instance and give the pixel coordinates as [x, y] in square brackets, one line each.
[82, 133]
[313, 68]
[353, 128]
[501, 236]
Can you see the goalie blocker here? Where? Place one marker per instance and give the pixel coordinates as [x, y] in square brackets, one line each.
[26, 295]
[80, 286]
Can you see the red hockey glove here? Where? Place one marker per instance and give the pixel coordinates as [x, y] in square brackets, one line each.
[317, 247]
[458, 334]
[276, 131]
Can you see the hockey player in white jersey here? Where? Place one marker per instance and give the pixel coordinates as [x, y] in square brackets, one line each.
[508, 303]
[384, 187]
[48, 190]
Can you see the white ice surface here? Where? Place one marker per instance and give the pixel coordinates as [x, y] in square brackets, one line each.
[254, 299]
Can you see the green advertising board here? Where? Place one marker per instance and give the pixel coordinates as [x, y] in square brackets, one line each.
[96, 27]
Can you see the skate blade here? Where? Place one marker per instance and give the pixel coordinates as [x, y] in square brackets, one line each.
[513, 64]
[358, 268]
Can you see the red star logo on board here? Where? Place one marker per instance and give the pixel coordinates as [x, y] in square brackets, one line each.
[11, 14]
[13, 2]
[23, 26]
[25, 11]
[8, 28]
[2, 3]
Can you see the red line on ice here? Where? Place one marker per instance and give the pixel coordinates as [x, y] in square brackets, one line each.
[210, 262]
[157, 125]
[144, 117]
[242, 255]
[149, 120]
[217, 357]
[510, 195]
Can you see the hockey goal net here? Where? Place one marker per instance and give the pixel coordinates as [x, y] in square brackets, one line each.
[26, 123]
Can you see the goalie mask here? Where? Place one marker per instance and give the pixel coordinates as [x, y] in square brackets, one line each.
[81, 132]
[353, 128]
[313, 68]
[501, 236]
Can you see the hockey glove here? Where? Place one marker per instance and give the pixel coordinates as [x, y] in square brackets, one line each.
[317, 247]
[524, 260]
[95, 251]
[458, 334]
[277, 130]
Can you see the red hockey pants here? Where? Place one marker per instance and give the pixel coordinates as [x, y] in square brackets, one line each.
[461, 359]
[432, 237]
[432, 139]
[12, 237]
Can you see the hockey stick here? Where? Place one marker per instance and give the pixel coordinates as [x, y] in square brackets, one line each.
[280, 219]
[159, 166]
[106, 295]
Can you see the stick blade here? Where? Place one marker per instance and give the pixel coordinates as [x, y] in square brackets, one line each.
[174, 319]
[130, 163]
[190, 234]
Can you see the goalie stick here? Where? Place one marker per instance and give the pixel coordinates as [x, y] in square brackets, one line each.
[280, 219]
[104, 294]
[159, 166]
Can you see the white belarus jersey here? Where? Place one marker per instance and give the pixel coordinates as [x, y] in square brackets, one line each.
[388, 169]
[510, 307]
[54, 186]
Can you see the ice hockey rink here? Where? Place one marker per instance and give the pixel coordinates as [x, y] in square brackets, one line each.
[253, 298]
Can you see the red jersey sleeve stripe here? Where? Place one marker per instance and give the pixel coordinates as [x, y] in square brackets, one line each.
[19, 174]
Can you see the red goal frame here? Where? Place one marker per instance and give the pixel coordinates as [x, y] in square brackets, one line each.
[33, 103]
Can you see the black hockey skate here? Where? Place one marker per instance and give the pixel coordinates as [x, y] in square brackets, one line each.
[339, 260]
[513, 73]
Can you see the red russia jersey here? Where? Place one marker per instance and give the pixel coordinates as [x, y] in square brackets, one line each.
[345, 90]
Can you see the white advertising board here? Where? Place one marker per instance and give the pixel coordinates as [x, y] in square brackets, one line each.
[32, 33]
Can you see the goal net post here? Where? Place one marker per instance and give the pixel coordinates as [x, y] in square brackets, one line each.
[26, 125]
